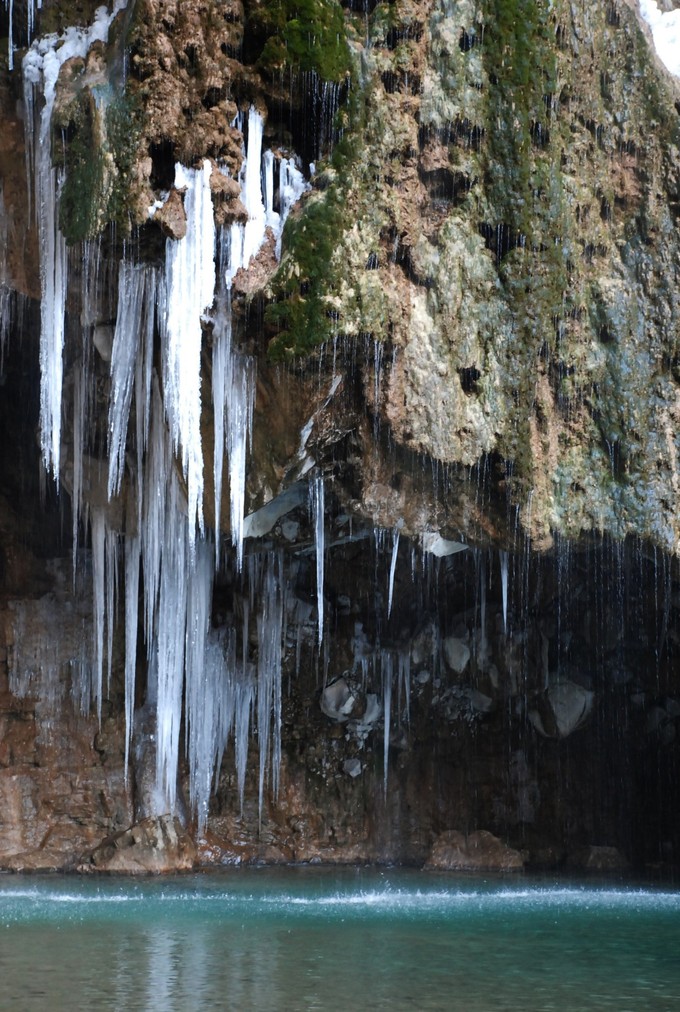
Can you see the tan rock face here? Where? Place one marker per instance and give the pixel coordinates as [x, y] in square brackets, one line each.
[478, 851]
[150, 847]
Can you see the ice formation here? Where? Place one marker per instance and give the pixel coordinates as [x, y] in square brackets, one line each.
[318, 509]
[665, 29]
[31, 7]
[153, 558]
[393, 566]
[40, 69]
[503, 559]
[190, 281]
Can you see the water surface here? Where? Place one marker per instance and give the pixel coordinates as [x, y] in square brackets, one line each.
[309, 938]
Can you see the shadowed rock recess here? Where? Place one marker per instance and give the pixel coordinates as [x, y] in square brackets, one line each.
[340, 401]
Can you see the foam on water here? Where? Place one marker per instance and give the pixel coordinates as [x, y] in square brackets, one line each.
[22, 902]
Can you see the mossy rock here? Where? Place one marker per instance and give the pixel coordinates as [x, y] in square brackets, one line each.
[304, 35]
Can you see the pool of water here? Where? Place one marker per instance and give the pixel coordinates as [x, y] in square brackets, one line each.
[350, 939]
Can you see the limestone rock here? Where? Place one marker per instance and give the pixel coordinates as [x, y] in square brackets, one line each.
[478, 851]
[152, 846]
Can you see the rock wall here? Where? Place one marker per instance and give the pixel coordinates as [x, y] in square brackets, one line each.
[470, 335]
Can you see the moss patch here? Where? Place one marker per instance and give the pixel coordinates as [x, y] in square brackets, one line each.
[304, 35]
[101, 138]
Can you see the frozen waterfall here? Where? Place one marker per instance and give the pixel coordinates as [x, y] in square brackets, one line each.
[214, 682]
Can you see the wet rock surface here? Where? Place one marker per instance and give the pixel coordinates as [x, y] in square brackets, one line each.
[153, 846]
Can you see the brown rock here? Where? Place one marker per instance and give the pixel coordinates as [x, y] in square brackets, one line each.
[153, 846]
[594, 858]
[171, 216]
[479, 851]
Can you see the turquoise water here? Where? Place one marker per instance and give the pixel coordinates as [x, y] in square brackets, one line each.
[306, 938]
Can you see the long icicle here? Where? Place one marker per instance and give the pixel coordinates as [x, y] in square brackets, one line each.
[190, 279]
[318, 507]
[393, 566]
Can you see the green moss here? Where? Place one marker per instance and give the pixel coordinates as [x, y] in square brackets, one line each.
[101, 138]
[519, 61]
[305, 35]
[308, 283]
[303, 310]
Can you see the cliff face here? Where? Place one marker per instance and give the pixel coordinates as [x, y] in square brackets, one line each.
[462, 352]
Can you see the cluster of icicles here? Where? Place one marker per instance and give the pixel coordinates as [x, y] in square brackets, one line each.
[166, 551]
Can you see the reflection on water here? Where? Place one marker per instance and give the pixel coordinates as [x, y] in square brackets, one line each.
[320, 939]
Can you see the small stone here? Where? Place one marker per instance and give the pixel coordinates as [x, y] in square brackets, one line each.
[290, 529]
[102, 338]
[337, 700]
[352, 767]
[479, 702]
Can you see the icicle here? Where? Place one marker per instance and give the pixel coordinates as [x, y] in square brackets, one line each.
[204, 678]
[221, 361]
[246, 240]
[111, 547]
[168, 657]
[79, 387]
[40, 67]
[124, 357]
[405, 681]
[272, 217]
[156, 476]
[240, 416]
[10, 39]
[233, 382]
[503, 557]
[243, 704]
[269, 640]
[292, 184]
[143, 381]
[132, 557]
[483, 600]
[393, 565]
[98, 527]
[318, 506]
[190, 279]
[251, 189]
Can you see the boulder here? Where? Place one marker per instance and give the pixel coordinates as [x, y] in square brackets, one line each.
[593, 858]
[478, 851]
[338, 700]
[456, 654]
[151, 847]
[563, 708]
[171, 216]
